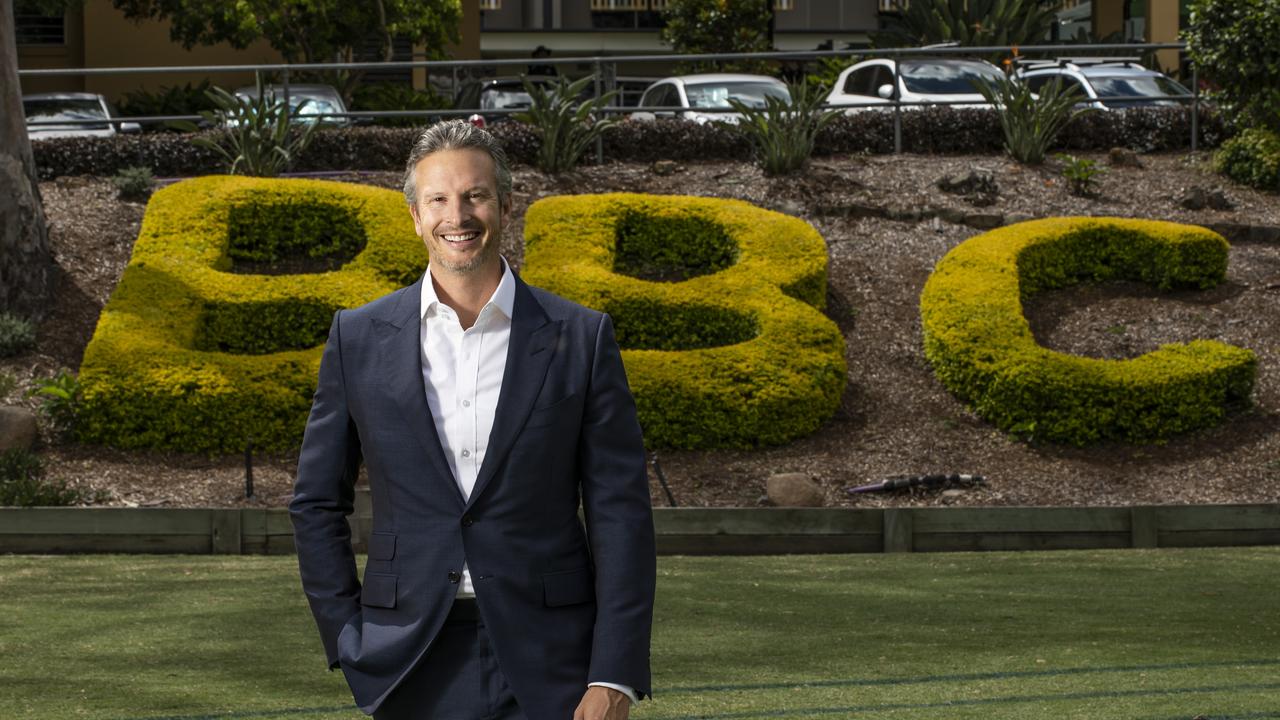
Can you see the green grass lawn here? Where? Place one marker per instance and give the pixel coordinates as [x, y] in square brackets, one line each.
[1125, 635]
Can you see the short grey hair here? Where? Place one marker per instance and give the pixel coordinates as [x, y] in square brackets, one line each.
[457, 135]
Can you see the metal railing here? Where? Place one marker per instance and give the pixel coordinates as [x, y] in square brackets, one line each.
[604, 70]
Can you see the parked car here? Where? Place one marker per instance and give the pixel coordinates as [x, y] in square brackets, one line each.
[1108, 83]
[934, 80]
[506, 94]
[700, 96]
[61, 107]
[320, 100]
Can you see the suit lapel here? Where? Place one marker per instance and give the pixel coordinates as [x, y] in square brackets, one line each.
[399, 335]
[529, 353]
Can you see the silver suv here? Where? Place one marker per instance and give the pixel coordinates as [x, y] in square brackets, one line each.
[1107, 83]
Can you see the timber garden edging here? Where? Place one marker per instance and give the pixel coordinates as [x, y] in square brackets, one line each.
[688, 531]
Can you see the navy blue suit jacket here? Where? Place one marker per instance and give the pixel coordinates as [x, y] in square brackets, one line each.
[565, 604]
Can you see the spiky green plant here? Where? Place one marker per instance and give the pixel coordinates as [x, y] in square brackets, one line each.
[1031, 123]
[566, 124]
[256, 136]
[783, 133]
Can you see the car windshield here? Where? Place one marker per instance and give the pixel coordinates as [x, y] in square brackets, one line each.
[751, 94]
[499, 98]
[42, 110]
[315, 105]
[935, 77]
[1144, 89]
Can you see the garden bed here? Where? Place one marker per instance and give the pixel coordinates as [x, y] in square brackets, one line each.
[886, 225]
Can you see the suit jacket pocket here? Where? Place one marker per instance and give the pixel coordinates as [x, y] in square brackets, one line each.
[379, 590]
[568, 587]
[548, 414]
[382, 546]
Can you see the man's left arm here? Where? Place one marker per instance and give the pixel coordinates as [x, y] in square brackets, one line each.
[615, 499]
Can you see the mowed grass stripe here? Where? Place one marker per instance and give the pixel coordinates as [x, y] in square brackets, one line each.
[949, 704]
[1030, 674]
[1111, 635]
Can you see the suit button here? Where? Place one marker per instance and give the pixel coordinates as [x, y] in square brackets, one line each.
[455, 577]
[468, 521]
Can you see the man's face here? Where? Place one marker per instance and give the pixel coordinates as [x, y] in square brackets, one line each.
[458, 213]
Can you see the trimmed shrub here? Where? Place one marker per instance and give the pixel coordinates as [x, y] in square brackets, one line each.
[931, 130]
[191, 356]
[1251, 158]
[738, 354]
[982, 348]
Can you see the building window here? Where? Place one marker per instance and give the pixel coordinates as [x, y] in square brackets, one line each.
[490, 4]
[784, 5]
[619, 5]
[35, 26]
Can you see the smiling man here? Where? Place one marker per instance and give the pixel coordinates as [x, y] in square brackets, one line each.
[486, 412]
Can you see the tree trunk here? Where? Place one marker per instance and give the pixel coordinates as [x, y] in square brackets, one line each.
[26, 265]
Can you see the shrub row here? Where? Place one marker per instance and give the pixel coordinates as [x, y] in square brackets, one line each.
[189, 355]
[982, 349]
[737, 357]
[931, 130]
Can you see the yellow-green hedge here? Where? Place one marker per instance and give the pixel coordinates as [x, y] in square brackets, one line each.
[982, 349]
[736, 355]
[190, 355]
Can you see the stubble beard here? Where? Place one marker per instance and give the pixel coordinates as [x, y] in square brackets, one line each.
[472, 264]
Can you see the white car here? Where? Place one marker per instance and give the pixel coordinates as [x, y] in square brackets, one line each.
[868, 85]
[319, 99]
[62, 107]
[1107, 83]
[700, 96]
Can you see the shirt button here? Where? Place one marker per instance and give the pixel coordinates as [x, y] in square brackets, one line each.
[466, 453]
[468, 521]
[455, 577]
[466, 403]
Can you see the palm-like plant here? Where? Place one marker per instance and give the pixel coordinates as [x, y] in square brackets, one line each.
[1031, 123]
[968, 22]
[783, 133]
[257, 136]
[566, 124]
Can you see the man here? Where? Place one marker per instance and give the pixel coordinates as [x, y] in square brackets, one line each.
[486, 412]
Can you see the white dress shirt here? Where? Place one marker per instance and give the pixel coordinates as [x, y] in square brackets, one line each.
[462, 371]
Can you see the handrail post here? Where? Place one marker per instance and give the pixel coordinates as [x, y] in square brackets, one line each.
[897, 106]
[599, 68]
[284, 76]
[1195, 106]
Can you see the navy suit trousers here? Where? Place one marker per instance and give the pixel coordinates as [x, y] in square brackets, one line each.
[458, 679]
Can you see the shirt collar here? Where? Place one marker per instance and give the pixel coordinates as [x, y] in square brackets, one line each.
[503, 298]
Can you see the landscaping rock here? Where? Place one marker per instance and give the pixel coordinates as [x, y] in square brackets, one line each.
[1015, 218]
[1198, 198]
[951, 215]
[984, 221]
[1123, 157]
[1264, 234]
[665, 167]
[977, 186]
[18, 429]
[967, 183]
[788, 207]
[794, 490]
